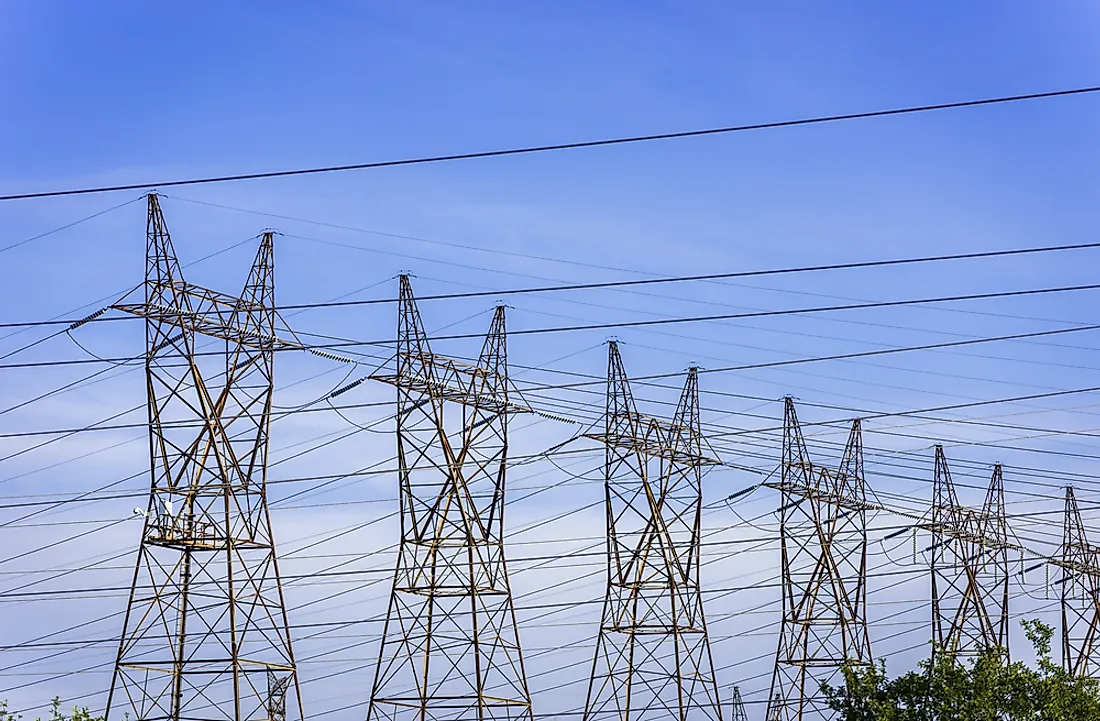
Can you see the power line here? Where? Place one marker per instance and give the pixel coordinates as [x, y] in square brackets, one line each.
[68, 225]
[569, 604]
[713, 276]
[863, 412]
[636, 282]
[584, 552]
[817, 120]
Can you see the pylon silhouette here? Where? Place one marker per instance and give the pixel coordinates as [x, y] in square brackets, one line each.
[653, 657]
[737, 706]
[1080, 564]
[823, 540]
[450, 649]
[206, 634]
[969, 567]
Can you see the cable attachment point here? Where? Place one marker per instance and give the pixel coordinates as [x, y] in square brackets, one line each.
[742, 492]
[87, 319]
[556, 417]
[329, 356]
[344, 389]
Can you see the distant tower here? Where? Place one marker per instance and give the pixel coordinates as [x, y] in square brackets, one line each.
[737, 706]
[823, 539]
[652, 658]
[206, 635]
[969, 567]
[1080, 595]
[450, 649]
[775, 708]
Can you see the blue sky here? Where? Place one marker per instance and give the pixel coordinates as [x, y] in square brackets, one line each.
[131, 92]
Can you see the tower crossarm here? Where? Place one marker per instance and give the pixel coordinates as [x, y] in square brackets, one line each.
[1090, 568]
[968, 528]
[210, 313]
[658, 439]
[446, 379]
[825, 496]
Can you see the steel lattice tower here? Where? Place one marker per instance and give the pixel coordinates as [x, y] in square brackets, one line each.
[775, 708]
[969, 567]
[206, 634]
[1080, 595]
[823, 539]
[450, 649]
[737, 706]
[652, 657]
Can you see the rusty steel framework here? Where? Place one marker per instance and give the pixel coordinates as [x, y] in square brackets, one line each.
[823, 541]
[206, 635]
[737, 706]
[1080, 565]
[652, 658]
[450, 648]
[970, 572]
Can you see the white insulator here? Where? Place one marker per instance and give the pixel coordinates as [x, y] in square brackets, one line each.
[555, 417]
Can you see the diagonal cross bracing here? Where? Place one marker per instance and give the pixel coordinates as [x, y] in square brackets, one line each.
[1080, 565]
[969, 567]
[823, 543]
[653, 658]
[206, 635]
[450, 649]
[737, 706]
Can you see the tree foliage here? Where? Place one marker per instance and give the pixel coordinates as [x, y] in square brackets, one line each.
[985, 688]
[79, 713]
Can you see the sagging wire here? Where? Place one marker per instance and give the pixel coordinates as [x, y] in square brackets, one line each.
[134, 361]
[1020, 582]
[746, 522]
[557, 446]
[368, 428]
[343, 386]
[574, 476]
[745, 493]
[900, 532]
[318, 399]
[88, 319]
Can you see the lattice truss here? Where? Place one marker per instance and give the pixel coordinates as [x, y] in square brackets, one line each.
[1080, 582]
[970, 571]
[206, 634]
[450, 649]
[737, 706]
[823, 541]
[653, 658]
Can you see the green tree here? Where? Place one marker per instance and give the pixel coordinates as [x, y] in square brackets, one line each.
[985, 688]
[79, 713]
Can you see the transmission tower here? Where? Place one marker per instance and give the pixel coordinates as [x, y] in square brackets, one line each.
[775, 708]
[652, 658]
[823, 540]
[737, 706]
[206, 634]
[450, 649]
[1080, 595]
[969, 567]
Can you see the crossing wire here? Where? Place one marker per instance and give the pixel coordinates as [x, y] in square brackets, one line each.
[576, 145]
